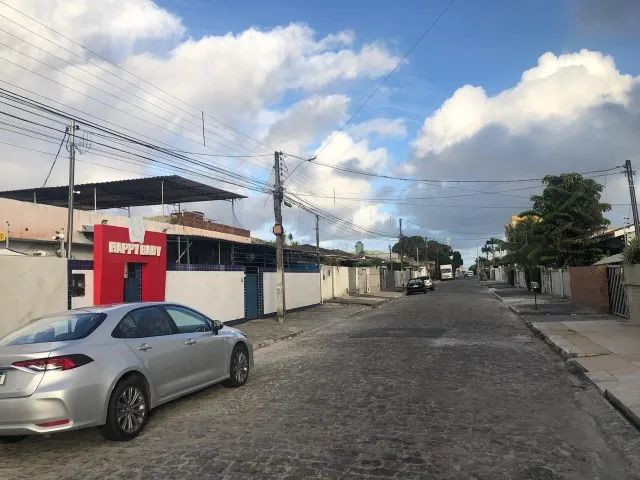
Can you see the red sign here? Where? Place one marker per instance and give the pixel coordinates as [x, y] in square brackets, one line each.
[113, 249]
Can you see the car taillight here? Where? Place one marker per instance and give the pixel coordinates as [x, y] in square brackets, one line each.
[63, 362]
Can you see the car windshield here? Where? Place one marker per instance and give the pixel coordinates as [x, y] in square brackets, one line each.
[55, 328]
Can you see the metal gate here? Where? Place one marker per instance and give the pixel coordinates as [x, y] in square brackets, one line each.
[617, 291]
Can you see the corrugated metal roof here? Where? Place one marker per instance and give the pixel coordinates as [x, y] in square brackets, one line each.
[125, 193]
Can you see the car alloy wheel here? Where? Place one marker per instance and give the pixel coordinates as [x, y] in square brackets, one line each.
[131, 409]
[238, 367]
[241, 366]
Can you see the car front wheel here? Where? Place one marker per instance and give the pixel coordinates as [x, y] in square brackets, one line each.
[239, 367]
[128, 410]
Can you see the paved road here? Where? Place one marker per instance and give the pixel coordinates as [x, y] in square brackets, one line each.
[443, 385]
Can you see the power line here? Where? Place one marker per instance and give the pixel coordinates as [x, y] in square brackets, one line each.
[248, 181]
[102, 102]
[430, 180]
[388, 75]
[83, 47]
[227, 142]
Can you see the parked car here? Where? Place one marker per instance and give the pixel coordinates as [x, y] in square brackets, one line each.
[109, 366]
[416, 285]
[428, 282]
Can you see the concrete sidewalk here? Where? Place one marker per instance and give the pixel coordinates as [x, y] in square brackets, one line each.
[605, 348]
[369, 299]
[608, 354]
[265, 331]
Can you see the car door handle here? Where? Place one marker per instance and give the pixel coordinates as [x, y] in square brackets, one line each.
[191, 341]
[144, 347]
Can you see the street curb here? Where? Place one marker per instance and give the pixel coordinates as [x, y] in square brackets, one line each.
[290, 336]
[268, 343]
[578, 370]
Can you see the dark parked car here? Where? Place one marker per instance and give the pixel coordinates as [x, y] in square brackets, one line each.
[416, 285]
[428, 282]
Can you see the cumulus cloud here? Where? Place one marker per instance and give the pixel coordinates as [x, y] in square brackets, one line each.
[381, 127]
[284, 85]
[559, 89]
[111, 27]
[572, 112]
[299, 125]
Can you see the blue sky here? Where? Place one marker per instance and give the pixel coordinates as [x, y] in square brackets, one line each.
[497, 90]
[489, 44]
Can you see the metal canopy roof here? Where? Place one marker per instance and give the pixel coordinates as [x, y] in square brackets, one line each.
[125, 193]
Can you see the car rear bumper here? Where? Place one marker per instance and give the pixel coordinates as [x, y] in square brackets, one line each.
[25, 415]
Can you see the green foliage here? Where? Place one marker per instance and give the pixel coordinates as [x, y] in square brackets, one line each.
[524, 241]
[456, 260]
[427, 249]
[631, 253]
[570, 213]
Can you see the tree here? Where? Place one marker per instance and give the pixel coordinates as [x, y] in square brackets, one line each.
[570, 213]
[408, 245]
[456, 261]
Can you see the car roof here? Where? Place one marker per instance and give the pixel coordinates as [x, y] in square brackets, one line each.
[114, 307]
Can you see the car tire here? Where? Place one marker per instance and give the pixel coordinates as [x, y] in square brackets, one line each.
[12, 439]
[128, 410]
[238, 367]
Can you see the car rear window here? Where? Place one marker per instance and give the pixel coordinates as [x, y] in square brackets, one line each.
[415, 282]
[55, 328]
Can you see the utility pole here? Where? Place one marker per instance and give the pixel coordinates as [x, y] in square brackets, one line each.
[632, 192]
[72, 168]
[6, 238]
[401, 254]
[318, 240]
[318, 254]
[278, 231]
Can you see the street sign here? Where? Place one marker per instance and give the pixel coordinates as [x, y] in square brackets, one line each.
[277, 229]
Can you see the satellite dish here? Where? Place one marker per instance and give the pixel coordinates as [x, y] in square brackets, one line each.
[136, 230]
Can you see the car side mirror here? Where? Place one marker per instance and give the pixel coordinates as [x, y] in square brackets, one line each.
[216, 325]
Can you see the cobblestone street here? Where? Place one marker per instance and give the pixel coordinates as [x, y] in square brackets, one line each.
[449, 384]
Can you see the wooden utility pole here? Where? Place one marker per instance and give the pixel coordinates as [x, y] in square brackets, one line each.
[72, 167]
[278, 231]
[632, 192]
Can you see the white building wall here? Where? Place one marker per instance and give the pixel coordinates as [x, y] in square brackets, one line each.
[219, 295]
[269, 292]
[30, 287]
[374, 279]
[301, 289]
[87, 299]
[340, 281]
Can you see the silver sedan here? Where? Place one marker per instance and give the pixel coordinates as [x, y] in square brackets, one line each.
[109, 366]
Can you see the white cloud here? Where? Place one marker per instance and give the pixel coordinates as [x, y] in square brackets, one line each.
[382, 127]
[236, 75]
[113, 27]
[558, 88]
[299, 125]
[572, 112]
[245, 78]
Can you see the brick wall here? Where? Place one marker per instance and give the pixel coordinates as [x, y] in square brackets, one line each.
[589, 287]
[197, 220]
